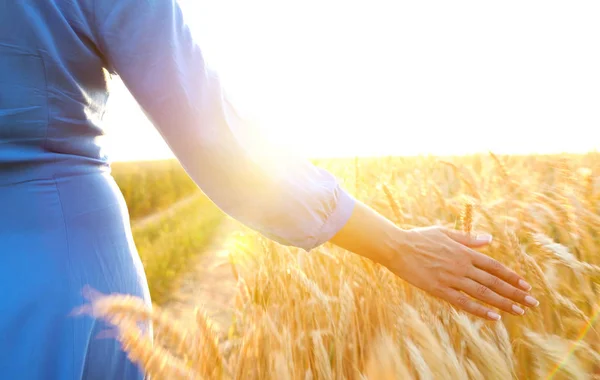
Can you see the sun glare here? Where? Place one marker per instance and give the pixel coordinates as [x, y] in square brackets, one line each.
[387, 78]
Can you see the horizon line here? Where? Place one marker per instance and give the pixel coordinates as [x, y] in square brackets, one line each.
[375, 156]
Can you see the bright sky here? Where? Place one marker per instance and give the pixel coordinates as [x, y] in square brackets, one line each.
[344, 78]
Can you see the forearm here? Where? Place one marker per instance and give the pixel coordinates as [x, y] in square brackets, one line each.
[369, 234]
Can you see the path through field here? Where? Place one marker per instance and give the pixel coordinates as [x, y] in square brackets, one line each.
[153, 218]
[209, 282]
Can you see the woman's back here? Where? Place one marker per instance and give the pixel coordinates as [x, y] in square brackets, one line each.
[53, 91]
[64, 223]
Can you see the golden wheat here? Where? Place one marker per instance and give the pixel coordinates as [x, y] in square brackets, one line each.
[333, 315]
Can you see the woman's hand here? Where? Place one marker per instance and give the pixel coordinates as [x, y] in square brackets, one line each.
[444, 263]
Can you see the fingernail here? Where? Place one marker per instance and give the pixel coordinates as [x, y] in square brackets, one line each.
[484, 238]
[518, 310]
[531, 301]
[494, 316]
[524, 285]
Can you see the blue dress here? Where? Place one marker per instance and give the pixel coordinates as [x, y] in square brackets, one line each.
[63, 220]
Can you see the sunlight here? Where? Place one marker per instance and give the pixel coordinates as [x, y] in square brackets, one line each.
[343, 79]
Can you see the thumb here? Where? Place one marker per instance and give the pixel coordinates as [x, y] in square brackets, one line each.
[471, 241]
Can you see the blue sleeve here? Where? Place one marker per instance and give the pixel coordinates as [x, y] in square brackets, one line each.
[148, 44]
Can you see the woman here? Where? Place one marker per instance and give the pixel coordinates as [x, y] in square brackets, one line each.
[64, 223]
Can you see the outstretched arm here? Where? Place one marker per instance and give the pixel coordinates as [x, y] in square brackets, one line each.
[288, 200]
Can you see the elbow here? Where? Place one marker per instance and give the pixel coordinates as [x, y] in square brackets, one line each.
[307, 225]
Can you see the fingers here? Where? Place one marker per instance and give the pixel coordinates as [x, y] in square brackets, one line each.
[470, 241]
[497, 269]
[485, 262]
[462, 301]
[503, 289]
[489, 297]
[477, 283]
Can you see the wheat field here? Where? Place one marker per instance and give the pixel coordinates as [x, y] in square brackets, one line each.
[329, 314]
